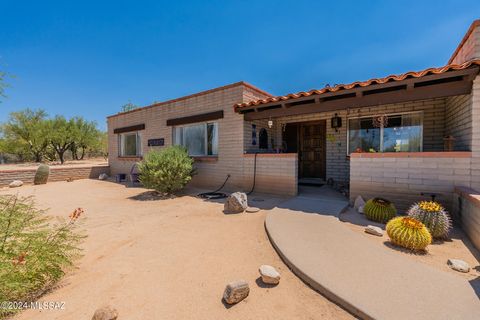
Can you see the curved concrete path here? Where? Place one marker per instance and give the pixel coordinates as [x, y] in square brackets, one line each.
[369, 281]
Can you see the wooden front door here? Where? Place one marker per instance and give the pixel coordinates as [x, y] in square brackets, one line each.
[312, 151]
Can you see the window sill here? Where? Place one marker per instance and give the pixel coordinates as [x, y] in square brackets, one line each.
[129, 158]
[205, 158]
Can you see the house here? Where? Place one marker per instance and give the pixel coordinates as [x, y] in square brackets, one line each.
[401, 137]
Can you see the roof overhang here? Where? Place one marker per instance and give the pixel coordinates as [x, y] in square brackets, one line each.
[448, 83]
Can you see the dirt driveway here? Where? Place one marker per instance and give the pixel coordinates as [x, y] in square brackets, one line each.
[168, 259]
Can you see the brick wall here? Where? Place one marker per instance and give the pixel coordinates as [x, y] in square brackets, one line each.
[466, 208]
[57, 173]
[402, 178]
[458, 121]
[470, 49]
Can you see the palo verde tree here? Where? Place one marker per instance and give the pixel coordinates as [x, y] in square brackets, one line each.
[25, 133]
[86, 137]
[62, 135]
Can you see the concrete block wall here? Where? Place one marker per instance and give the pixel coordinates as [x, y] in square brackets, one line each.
[458, 121]
[466, 210]
[470, 48]
[402, 178]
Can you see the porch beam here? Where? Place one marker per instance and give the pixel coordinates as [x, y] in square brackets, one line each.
[405, 95]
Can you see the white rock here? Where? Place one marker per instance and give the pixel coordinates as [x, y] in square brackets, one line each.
[103, 176]
[458, 265]
[252, 209]
[376, 231]
[269, 274]
[236, 291]
[15, 184]
[105, 313]
[360, 209]
[236, 203]
[359, 202]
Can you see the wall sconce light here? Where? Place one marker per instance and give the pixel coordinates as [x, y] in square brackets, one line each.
[336, 122]
[270, 123]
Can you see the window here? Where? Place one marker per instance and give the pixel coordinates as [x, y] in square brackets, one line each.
[402, 133]
[199, 139]
[130, 144]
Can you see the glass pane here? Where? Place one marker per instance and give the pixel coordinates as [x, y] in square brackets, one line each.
[194, 139]
[403, 133]
[212, 130]
[130, 145]
[363, 137]
[177, 136]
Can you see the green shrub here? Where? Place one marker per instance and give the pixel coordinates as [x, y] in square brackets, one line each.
[166, 171]
[41, 176]
[379, 210]
[34, 251]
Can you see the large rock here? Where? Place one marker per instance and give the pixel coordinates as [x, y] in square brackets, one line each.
[103, 176]
[376, 231]
[269, 274]
[236, 203]
[16, 184]
[359, 202]
[105, 313]
[236, 291]
[458, 265]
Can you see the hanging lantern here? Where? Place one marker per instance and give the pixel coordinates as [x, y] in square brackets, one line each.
[380, 121]
[270, 123]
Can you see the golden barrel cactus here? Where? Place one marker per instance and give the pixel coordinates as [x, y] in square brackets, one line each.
[409, 233]
[379, 210]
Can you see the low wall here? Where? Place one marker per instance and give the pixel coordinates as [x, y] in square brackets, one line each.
[57, 173]
[466, 208]
[402, 177]
[276, 173]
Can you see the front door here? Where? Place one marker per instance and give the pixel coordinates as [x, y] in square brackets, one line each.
[312, 151]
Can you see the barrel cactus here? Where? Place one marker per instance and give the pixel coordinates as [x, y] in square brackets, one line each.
[380, 210]
[409, 233]
[433, 216]
[41, 176]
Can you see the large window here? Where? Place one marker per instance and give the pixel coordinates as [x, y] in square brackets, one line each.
[199, 139]
[129, 144]
[400, 133]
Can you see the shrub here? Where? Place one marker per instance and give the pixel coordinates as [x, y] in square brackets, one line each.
[166, 171]
[433, 216]
[34, 252]
[380, 210]
[41, 176]
[409, 233]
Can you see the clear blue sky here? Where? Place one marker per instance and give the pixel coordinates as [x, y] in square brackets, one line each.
[91, 57]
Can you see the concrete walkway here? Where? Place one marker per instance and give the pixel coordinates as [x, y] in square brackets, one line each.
[368, 281]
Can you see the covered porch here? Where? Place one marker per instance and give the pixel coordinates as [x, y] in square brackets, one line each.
[406, 136]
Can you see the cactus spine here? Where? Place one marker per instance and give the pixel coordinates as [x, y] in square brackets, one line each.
[380, 210]
[408, 233]
[433, 216]
[41, 176]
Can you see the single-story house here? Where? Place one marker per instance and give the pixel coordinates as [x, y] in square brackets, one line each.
[401, 137]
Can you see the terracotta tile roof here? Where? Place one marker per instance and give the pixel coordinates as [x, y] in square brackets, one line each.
[340, 87]
[474, 24]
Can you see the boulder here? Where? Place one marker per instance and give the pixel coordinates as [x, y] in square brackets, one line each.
[103, 176]
[376, 231]
[458, 265]
[359, 202]
[236, 203]
[360, 209]
[16, 184]
[236, 291]
[105, 313]
[269, 274]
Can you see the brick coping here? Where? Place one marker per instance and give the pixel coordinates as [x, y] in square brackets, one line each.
[469, 194]
[440, 154]
[270, 155]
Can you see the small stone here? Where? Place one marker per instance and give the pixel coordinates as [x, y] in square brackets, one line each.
[235, 291]
[252, 209]
[105, 313]
[269, 274]
[359, 202]
[360, 209]
[103, 176]
[458, 265]
[69, 179]
[16, 184]
[376, 231]
[236, 203]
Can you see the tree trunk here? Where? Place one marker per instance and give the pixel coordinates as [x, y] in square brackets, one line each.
[38, 157]
[83, 154]
[60, 156]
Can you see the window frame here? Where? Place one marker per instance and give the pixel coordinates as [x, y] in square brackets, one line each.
[205, 124]
[421, 113]
[138, 144]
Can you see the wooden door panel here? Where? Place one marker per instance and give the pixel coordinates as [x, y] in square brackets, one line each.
[312, 150]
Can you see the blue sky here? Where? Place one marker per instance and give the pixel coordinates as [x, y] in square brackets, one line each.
[90, 57]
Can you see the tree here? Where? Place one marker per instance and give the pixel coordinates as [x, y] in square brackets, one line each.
[27, 130]
[62, 135]
[128, 107]
[86, 138]
[3, 85]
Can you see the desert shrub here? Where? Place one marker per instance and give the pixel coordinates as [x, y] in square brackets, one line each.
[380, 210]
[409, 233]
[433, 216]
[35, 251]
[166, 171]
